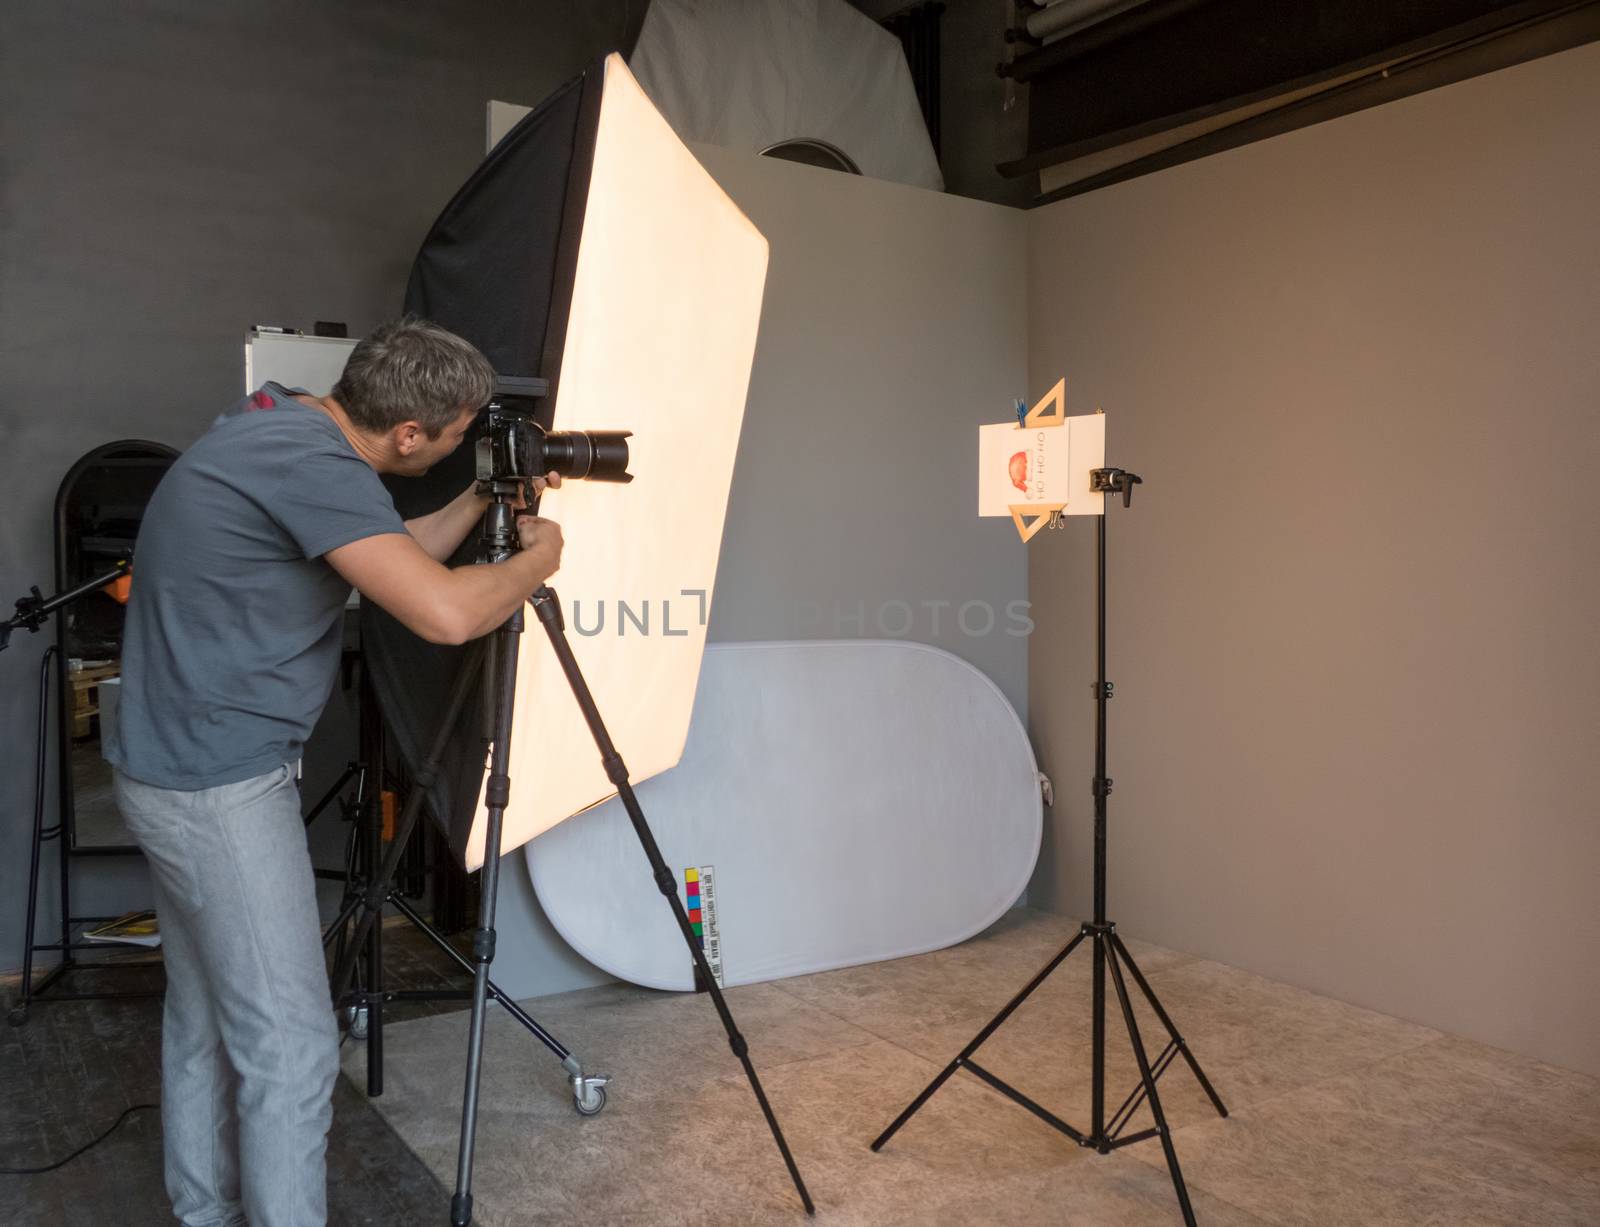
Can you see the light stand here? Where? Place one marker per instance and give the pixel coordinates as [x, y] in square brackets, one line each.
[499, 663]
[1109, 952]
[31, 612]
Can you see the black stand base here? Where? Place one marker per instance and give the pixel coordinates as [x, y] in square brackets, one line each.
[1103, 1136]
[365, 1002]
[368, 996]
[31, 990]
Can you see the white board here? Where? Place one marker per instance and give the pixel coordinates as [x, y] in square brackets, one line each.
[854, 800]
[312, 363]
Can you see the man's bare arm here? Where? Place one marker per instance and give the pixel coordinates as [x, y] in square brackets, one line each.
[443, 605]
[441, 533]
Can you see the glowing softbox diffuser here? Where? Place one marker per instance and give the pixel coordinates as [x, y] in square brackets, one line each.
[591, 249]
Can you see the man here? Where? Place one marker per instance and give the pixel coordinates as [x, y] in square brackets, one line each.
[245, 558]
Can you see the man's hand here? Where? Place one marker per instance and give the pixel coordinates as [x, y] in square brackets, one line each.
[541, 537]
[550, 481]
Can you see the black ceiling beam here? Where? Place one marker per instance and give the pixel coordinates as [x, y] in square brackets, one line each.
[1533, 39]
[1092, 38]
[1211, 57]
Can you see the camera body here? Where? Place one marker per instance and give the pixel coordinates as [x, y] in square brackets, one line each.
[514, 447]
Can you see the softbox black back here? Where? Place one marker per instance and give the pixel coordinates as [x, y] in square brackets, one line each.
[496, 268]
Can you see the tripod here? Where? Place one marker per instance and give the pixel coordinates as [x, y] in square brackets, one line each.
[499, 664]
[1109, 953]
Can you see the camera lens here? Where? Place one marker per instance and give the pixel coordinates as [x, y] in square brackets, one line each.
[588, 455]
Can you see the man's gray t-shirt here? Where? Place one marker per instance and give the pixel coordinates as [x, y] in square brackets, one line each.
[234, 626]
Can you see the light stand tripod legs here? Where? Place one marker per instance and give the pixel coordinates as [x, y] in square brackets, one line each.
[963, 1057]
[548, 607]
[370, 904]
[1110, 956]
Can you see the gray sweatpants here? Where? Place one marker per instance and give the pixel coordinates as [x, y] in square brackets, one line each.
[249, 1048]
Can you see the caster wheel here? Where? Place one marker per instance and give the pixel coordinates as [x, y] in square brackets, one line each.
[355, 1018]
[590, 1100]
[19, 1015]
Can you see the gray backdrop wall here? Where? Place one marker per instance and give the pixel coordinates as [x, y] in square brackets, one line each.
[892, 326]
[175, 171]
[1353, 609]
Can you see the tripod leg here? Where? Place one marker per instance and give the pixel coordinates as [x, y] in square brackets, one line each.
[1150, 1087]
[977, 1042]
[548, 607]
[501, 670]
[1150, 996]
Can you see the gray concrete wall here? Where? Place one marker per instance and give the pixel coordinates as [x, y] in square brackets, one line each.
[1353, 609]
[893, 325]
[173, 172]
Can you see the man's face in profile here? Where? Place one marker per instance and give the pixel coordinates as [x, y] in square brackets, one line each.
[428, 452]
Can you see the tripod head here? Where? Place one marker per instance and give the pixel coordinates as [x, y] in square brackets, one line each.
[497, 538]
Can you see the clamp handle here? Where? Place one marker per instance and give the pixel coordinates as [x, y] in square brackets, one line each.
[1114, 481]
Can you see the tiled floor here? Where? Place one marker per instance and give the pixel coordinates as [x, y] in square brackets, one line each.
[76, 1065]
[1338, 1115]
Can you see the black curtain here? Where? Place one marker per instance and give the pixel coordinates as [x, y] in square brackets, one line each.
[496, 268]
[917, 28]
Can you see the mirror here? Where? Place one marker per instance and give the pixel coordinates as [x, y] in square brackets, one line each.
[98, 509]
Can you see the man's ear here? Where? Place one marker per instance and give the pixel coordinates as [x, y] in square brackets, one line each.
[407, 437]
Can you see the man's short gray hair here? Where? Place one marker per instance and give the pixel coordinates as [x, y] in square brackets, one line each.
[411, 370]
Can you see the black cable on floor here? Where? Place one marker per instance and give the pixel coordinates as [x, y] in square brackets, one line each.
[39, 1171]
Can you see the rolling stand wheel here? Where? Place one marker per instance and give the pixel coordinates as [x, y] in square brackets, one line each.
[18, 1016]
[355, 1018]
[589, 1093]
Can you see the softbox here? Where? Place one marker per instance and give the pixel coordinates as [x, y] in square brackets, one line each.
[592, 250]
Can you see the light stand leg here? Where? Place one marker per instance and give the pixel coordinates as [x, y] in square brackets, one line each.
[19, 1011]
[370, 814]
[548, 607]
[964, 1056]
[494, 991]
[1183, 1048]
[1150, 1089]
